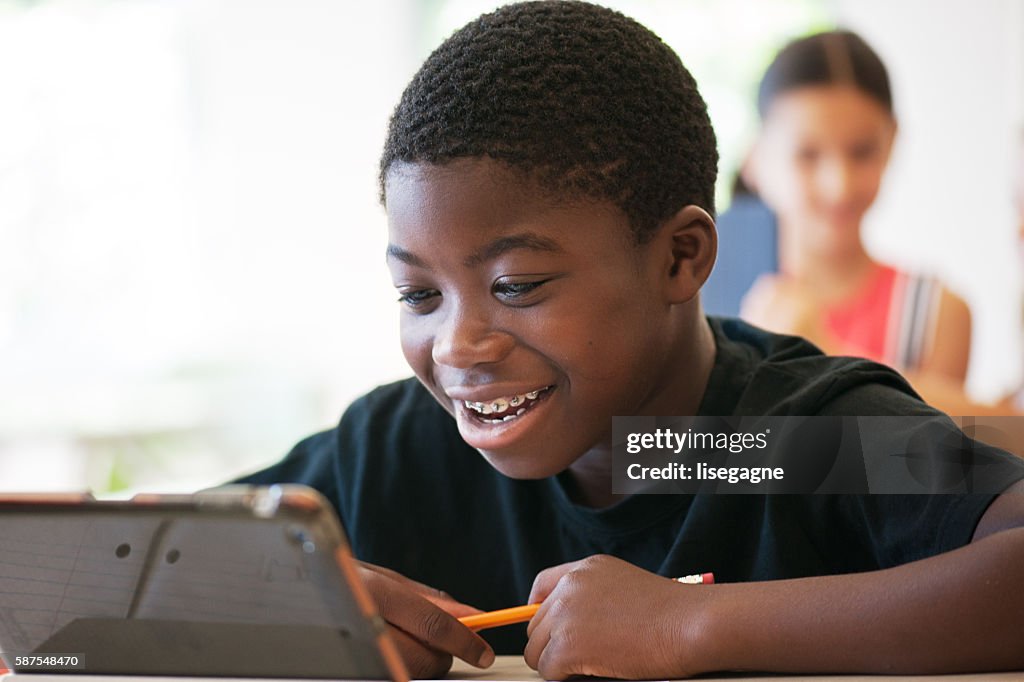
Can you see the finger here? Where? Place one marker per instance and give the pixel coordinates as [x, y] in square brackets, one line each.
[438, 597]
[539, 633]
[421, 661]
[425, 621]
[538, 617]
[553, 663]
[425, 590]
[455, 608]
[546, 580]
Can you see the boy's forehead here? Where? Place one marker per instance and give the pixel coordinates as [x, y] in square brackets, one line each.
[480, 191]
[476, 200]
[464, 179]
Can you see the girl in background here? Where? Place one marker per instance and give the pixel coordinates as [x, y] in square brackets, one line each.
[827, 133]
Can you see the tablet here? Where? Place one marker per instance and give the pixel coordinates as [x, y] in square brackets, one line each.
[232, 582]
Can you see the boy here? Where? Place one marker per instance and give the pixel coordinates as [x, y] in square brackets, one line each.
[548, 178]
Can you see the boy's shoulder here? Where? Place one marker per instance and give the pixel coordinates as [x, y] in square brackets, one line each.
[398, 419]
[391, 438]
[408, 393]
[758, 372]
[402, 410]
[399, 402]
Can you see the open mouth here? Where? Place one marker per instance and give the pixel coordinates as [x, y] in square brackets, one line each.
[506, 408]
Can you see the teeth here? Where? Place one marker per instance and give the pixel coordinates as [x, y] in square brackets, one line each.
[499, 405]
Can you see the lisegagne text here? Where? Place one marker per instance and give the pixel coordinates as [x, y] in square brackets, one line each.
[704, 472]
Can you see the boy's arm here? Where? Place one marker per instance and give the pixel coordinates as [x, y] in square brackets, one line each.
[958, 611]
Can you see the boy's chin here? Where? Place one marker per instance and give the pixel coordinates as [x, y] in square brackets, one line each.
[523, 466]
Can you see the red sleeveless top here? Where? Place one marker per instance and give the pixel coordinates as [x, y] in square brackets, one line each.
[889, 321]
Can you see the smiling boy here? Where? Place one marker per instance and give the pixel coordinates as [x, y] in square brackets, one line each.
[548, 178]
[532, 319]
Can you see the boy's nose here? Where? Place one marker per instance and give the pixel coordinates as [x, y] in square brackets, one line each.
[463, 341]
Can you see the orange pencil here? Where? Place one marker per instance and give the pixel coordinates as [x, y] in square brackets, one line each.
[521, 614]
[493, 619]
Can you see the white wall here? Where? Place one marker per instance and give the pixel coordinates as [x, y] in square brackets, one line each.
[191, 248]
[957, 68]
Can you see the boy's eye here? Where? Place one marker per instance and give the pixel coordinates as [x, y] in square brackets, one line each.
[418, 298]
[515, 291]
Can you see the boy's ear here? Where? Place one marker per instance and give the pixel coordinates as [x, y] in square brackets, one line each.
[692, 246]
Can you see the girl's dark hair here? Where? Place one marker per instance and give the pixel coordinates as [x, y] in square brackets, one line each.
[831, 58]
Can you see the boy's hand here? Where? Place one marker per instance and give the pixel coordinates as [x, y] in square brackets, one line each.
[604, 617]
[424, 623]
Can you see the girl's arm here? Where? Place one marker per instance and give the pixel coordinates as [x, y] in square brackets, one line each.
[948, 348]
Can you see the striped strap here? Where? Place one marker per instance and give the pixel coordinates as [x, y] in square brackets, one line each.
[912, 316]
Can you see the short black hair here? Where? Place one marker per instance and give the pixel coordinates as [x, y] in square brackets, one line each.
[585, 101]
[830, 58]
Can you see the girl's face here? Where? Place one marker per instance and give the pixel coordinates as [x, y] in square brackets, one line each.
[819, 162]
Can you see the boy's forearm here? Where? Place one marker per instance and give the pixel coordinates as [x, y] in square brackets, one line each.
[957, 612]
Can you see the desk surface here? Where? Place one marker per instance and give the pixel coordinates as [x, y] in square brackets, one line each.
[514, 669]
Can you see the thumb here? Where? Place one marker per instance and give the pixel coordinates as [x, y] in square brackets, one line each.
[546, 580]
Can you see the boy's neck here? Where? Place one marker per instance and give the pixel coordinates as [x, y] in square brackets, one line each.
[589, 480]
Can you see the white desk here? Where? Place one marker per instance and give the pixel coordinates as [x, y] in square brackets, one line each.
[514, 669]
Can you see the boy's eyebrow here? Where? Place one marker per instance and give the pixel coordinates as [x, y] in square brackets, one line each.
[525, 240]
[398, 253]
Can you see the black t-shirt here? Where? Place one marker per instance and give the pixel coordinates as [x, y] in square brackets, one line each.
[414, 497]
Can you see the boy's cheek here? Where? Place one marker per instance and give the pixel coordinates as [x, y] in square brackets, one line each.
[415, 348]
[418, 356]
[436, 392]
